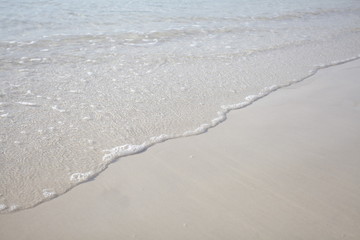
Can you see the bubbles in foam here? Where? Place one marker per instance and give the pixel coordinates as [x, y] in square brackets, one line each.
[13, 208]
[122, 151]
[80, 177]
[251, 98]
[161, 138]
[48, 193]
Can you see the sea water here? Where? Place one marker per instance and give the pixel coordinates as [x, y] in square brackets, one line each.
[84, 83]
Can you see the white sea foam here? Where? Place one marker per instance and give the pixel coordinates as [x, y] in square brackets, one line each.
[251, 98]
[80, 177]
[13, 208]
[48, 193]
[161, 138]
[122, 151]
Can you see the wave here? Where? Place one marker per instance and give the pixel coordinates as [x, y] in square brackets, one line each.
[113, 154]
[195, 26]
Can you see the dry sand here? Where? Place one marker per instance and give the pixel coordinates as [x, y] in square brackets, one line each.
[286, 167]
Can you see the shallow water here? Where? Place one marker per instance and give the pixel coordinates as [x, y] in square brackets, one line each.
[84, 83]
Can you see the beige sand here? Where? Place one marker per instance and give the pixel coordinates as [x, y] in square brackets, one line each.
[286, 167]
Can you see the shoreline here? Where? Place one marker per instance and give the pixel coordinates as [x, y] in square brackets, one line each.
[234, 182]
[118, 152]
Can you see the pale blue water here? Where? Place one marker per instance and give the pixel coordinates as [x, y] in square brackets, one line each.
[83, 83]
[32, 20]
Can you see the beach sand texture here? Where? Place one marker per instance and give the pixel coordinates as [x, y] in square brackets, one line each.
[286, 167]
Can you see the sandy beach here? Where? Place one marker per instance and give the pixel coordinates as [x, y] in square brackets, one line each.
[285, 167]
